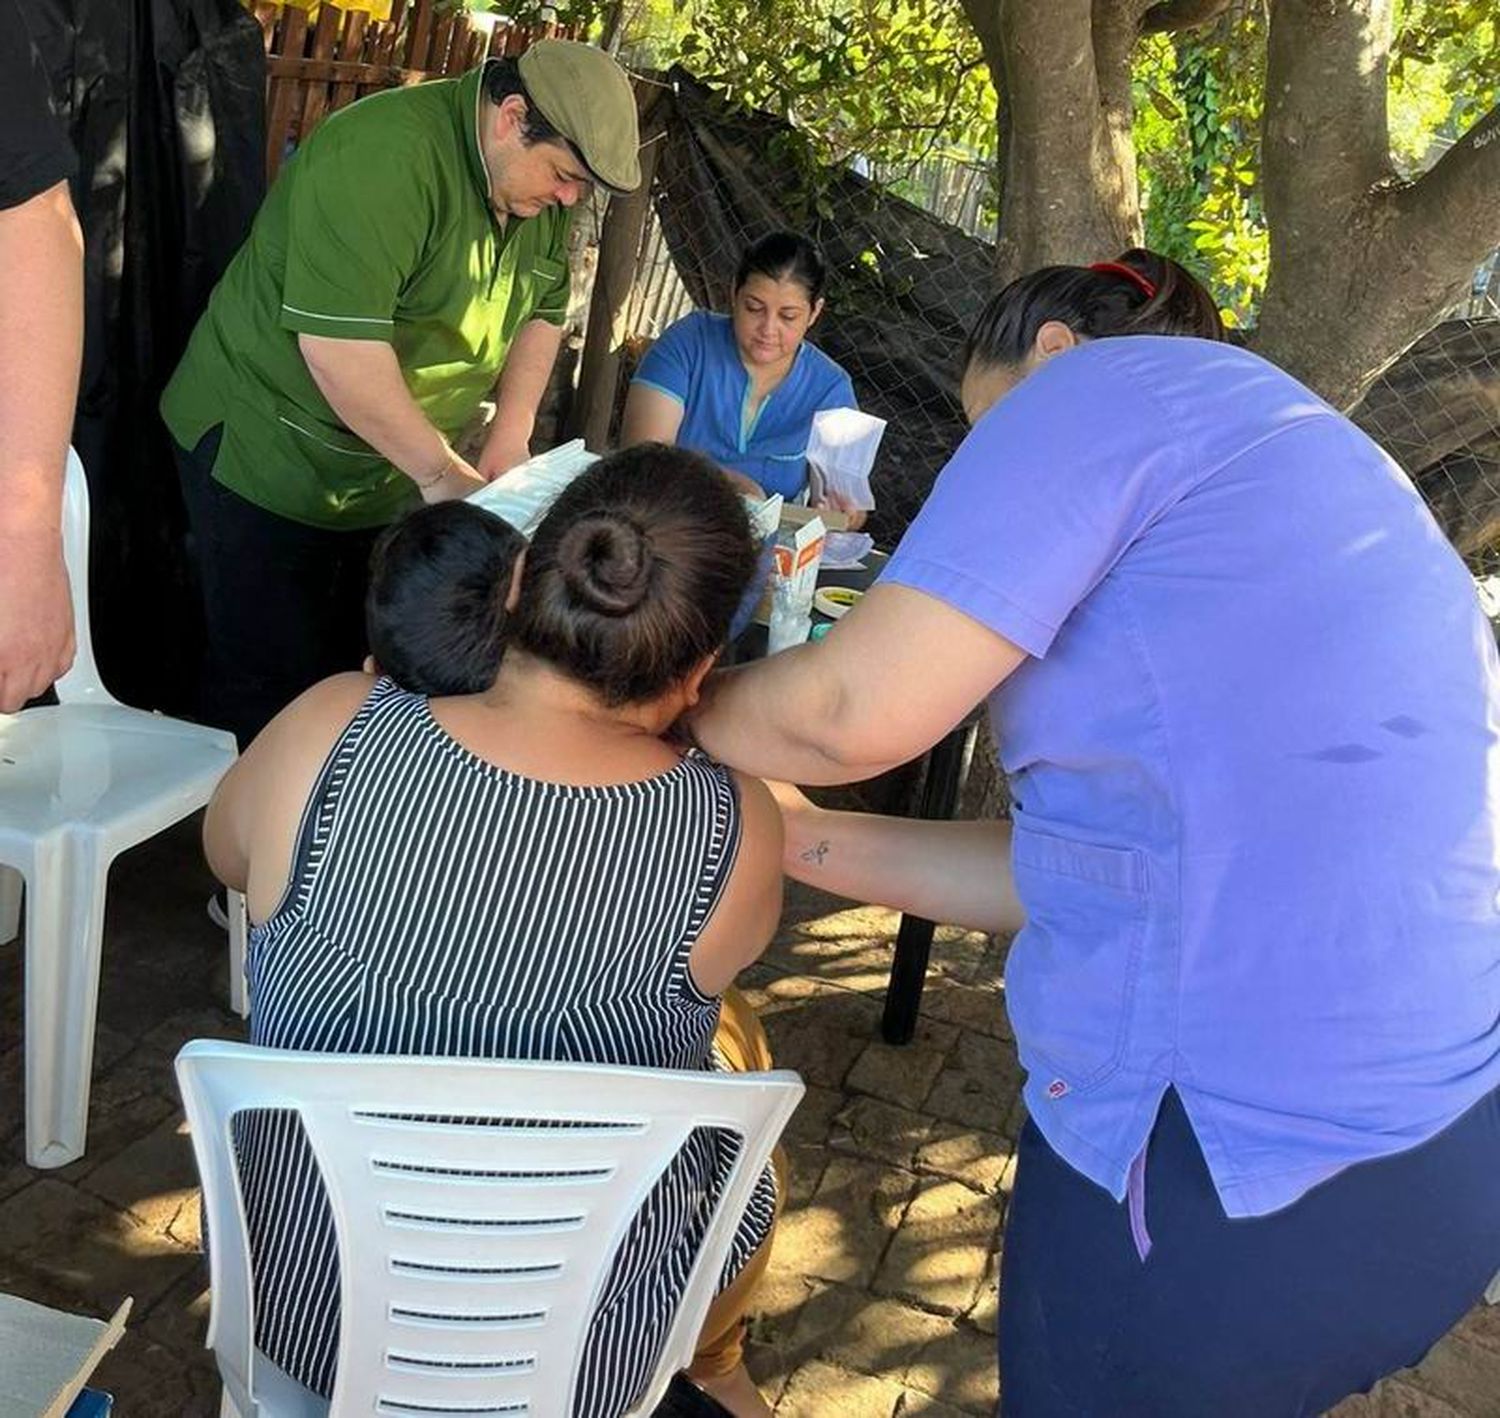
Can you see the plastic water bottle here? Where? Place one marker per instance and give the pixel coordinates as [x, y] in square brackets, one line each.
[788, 627]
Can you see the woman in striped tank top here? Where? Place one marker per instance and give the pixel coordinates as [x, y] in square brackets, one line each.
[529, 872]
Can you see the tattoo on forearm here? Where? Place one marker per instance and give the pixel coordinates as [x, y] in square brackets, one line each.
[817, 852]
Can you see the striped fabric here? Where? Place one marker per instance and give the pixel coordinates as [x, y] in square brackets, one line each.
[441, 905]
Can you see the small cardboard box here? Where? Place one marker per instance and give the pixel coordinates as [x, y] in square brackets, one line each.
[794, 582]
[793, 515]
[797, 557]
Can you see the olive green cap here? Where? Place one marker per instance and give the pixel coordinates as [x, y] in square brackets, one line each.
[587, 97]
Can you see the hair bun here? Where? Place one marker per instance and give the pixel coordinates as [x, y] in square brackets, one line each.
[606, 563]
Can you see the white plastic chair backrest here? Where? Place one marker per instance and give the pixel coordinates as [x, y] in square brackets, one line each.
[81, 684]
[472, 1252]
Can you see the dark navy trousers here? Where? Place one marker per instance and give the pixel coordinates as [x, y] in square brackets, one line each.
[1267, 1317]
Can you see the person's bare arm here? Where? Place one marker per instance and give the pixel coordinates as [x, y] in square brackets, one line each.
[41, 342]
[654, 417]
[887, 682]
[650, 417]
[523, 381]
[955, 872]
[362, 382]
[749, 911]
[250, 829]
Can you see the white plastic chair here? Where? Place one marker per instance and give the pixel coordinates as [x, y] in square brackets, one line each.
[79, 783]
[471, 1257]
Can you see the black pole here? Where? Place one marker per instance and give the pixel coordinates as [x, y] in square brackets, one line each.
[947, 768]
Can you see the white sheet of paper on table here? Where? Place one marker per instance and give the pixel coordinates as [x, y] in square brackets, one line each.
[525, 493]
[840, 453]
[46, 1356]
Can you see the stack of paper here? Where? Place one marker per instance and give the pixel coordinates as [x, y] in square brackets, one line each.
[525, 493]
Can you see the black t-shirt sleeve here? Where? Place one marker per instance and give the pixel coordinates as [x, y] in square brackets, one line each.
[34, 150]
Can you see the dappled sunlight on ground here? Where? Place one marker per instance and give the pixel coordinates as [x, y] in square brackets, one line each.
[881, 1298]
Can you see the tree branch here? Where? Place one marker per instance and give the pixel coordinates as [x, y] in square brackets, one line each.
[1326, 141]
[1454, 207]
[1357, 275]
[1116, 32]
[1172, 15]
[938, 126]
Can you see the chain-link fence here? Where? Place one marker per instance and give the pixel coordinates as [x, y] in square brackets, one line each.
[1436, 409]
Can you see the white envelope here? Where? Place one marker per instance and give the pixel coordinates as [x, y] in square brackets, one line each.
[525, 493]
[840, 454]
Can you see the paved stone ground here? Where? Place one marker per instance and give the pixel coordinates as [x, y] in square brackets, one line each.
[880, 1302]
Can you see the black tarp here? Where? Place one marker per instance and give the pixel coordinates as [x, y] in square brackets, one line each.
[1436, 410]
[903, 284]
[165, 104]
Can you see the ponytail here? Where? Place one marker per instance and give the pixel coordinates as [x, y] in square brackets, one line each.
[1138, 293]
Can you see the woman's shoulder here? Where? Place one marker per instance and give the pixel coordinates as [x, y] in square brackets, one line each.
[306, 730]
[700, 330]
[752, 799]
[326, 706]
[676, 358]
[827, 380]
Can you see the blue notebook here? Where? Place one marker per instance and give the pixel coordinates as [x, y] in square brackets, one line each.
[91, 1403]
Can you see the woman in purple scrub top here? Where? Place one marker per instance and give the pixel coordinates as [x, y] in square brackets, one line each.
[1248, 706]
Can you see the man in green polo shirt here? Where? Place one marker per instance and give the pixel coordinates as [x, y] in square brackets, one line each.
[412, 253]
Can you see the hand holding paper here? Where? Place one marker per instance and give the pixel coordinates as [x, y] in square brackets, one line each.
[840, 455]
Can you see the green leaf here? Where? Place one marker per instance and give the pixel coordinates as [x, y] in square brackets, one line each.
[1163, 105]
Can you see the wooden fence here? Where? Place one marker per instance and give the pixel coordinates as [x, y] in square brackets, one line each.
[314, 69]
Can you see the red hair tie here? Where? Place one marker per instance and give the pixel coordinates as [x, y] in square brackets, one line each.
[1119, 268]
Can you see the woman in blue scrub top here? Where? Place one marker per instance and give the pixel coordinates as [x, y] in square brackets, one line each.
[1249, 709]
[743, 387]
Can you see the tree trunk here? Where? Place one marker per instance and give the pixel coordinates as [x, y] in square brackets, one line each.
[1361, 263]
[613, 27]
[614, 279]
[1062, 70]
[1067, 180]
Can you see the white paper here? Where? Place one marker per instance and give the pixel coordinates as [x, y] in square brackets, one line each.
[846, 551]
[46, 1356]
[523, 495]
[840, 454]
[765, 517]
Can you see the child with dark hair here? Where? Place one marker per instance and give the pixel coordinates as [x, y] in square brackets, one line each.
[443, 581]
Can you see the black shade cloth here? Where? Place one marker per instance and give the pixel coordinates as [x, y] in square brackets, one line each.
[1436, 410]
[34, 149]
[164, 101]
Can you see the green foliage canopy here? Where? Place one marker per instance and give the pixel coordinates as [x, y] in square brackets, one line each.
[902, 83]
